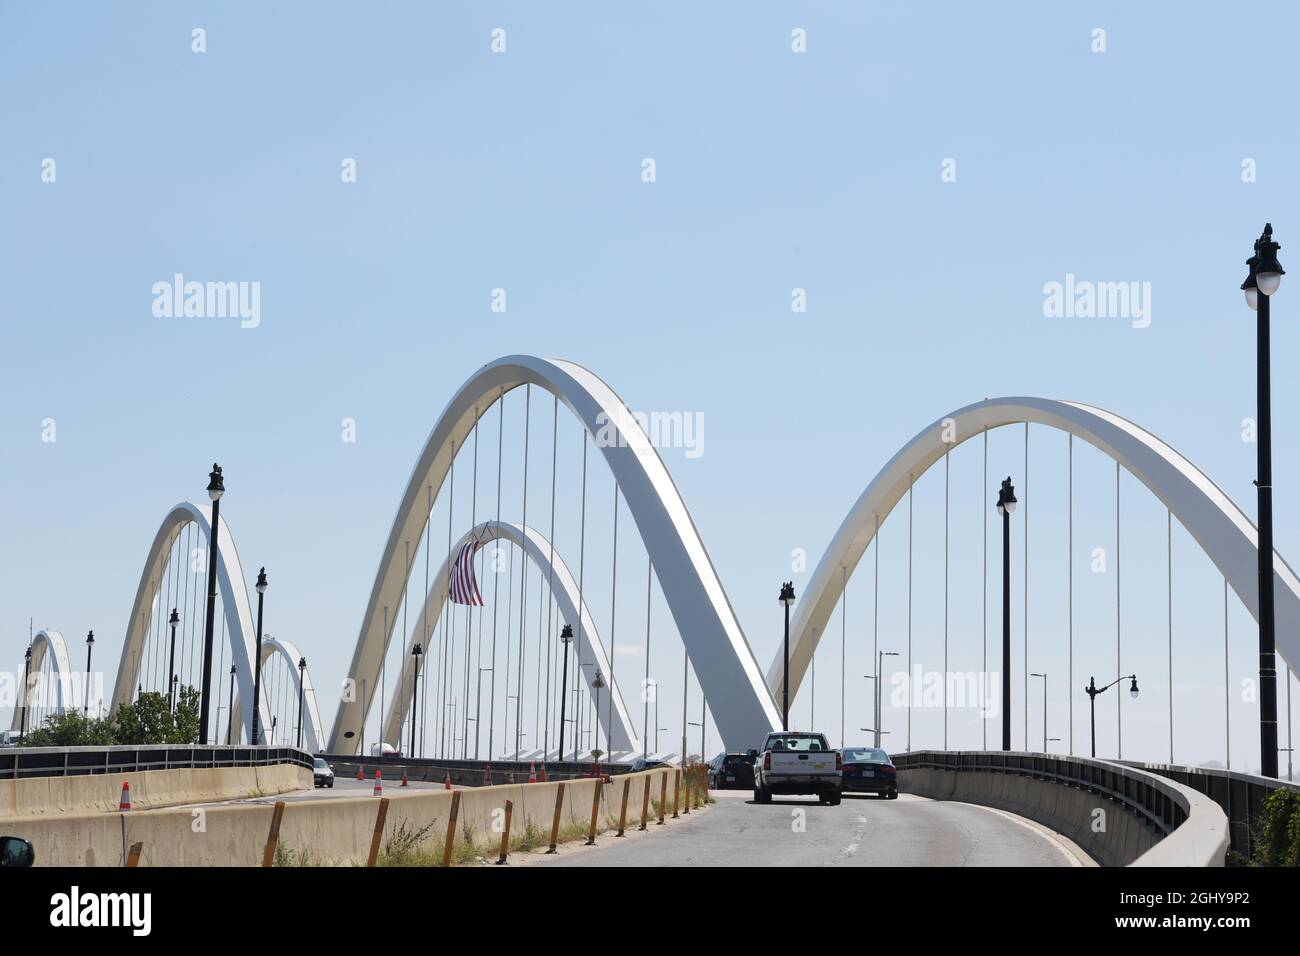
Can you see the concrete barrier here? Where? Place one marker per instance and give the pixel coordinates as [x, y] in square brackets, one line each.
[1104, 827]
[100, 793]
[329, 831]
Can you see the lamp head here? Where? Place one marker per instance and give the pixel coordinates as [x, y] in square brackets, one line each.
[174, 619]
[1133, 689]
[1007, 497]
[566, 634]
[216, 484]
[261, 581]
[787, 593]
[1268, 271]
[302, 663]
[90, 637]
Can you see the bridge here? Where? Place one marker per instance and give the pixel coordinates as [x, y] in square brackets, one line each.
[537, 672]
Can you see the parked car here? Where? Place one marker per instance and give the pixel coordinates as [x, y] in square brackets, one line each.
[734, 771]
[793, 762]
[648, 763]
[869, 770]
[323, 773]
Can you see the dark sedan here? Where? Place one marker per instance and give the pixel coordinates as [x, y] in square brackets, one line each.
[731, 772]
[869, 770]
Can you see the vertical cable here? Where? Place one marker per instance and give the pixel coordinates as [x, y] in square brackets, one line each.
[469, 609]
[1169, 576]
[613, 621]
[1119, 667]
[383, 667]
[910, 689]
[1227, 685]
[645, 684]
[875, 629]
[1069, 575]
[407, 705]
[945, 600]
[523, 578]
[496, 585]
[550, 577]
[424, 611]
[984, 660]
[844, 612]
[582, 565]
[1025, 643]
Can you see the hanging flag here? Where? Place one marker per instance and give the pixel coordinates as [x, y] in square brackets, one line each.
[463, 588]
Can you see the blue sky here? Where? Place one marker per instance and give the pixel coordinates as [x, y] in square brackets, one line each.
[522, 171]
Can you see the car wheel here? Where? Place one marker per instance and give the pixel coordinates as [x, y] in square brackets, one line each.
[833, 799]
[893, 795]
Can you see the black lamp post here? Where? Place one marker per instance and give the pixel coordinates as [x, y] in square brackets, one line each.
[1006, 507]
[566, 637]
[216, 488]
[302, 684]
[786, 599]
[27, 690]
[1093, 690]
[90, 646]
[230, 707]
[597, 683]
[171, 663]
[416, 652]
[1261, 282]
[255, 736]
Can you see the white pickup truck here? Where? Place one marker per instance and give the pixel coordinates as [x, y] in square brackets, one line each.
[793, 762]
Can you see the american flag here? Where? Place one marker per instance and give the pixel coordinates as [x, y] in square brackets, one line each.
[464, 588]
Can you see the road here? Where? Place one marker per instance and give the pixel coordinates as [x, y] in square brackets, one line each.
[861, 831]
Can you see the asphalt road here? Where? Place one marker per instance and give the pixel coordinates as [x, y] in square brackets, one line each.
[861, 831]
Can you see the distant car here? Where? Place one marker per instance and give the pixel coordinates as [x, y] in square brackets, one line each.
[647, 763]
[793, 762]
[10, 738]
[734, 771]
[869, 770]
[323, 773]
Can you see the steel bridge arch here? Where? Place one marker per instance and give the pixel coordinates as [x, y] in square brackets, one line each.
[1214, 521]
[234, 596]
[49, 642]
[568, 597]
[728, 672]
[313, 736]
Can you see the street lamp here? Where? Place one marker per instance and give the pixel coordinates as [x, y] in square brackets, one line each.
[171, 663]
[1006, 507]
[1262, 281]
[216, 488]
[302, 683]
[786, 598]
[566, 637]
[90, 646]
[1093, 690]
[230, 726]
[596, 684]
[877, 677]
[416, 652]
[255, 736]
[27, 690]
[1044, 677]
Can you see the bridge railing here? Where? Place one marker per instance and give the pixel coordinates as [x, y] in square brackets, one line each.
[1192, 830]
[22, 762]
[1240, 795]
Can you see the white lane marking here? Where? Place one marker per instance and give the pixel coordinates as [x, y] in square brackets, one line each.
[1032, 827]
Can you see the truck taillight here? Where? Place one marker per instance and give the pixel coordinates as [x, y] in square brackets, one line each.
[767, 761]
[839, 760]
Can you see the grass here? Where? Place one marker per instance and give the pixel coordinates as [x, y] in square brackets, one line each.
[285, 856]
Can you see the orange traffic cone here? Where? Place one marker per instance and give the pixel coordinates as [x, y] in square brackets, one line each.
[379, 784]
[543, 773]
[404, 781]
[446, 781]
[361, 773]
[532, 773]
[487, 775]
[125, 802]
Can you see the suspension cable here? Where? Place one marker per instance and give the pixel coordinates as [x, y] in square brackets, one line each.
[523, 578]
[496, 583]
[550, 579]
[613, 621]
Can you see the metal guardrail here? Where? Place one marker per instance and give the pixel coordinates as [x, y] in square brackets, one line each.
[468, 773]
[24, 762]
[1239, 795]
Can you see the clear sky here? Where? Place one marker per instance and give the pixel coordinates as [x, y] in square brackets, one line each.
[523, 171]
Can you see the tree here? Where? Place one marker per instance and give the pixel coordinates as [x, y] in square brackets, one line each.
[71, 729]
[148, 720]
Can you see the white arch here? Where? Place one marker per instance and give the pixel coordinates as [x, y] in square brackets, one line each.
[234, 596]
[313, 738]
[742, 706]
[567, 598]
[1215, 522]
[51, 642]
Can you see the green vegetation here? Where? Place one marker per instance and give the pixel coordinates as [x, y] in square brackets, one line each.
[146, 720]
[1277, 830]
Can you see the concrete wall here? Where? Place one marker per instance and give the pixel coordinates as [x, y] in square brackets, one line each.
[1113, 837]
[100, 793]
[327, 831]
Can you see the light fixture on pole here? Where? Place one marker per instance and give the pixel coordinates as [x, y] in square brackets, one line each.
[786, 598]
[1262, 281]
[879, 695]
[302, 684]
[230, 726]
[27, 689]
[216, 488]
[416, 652]
[171, 663]
[1093, 690]
[566, 638]
[90, 646]
[1006, 507]
[255, 734]
[596, 684]
[1044, 677]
